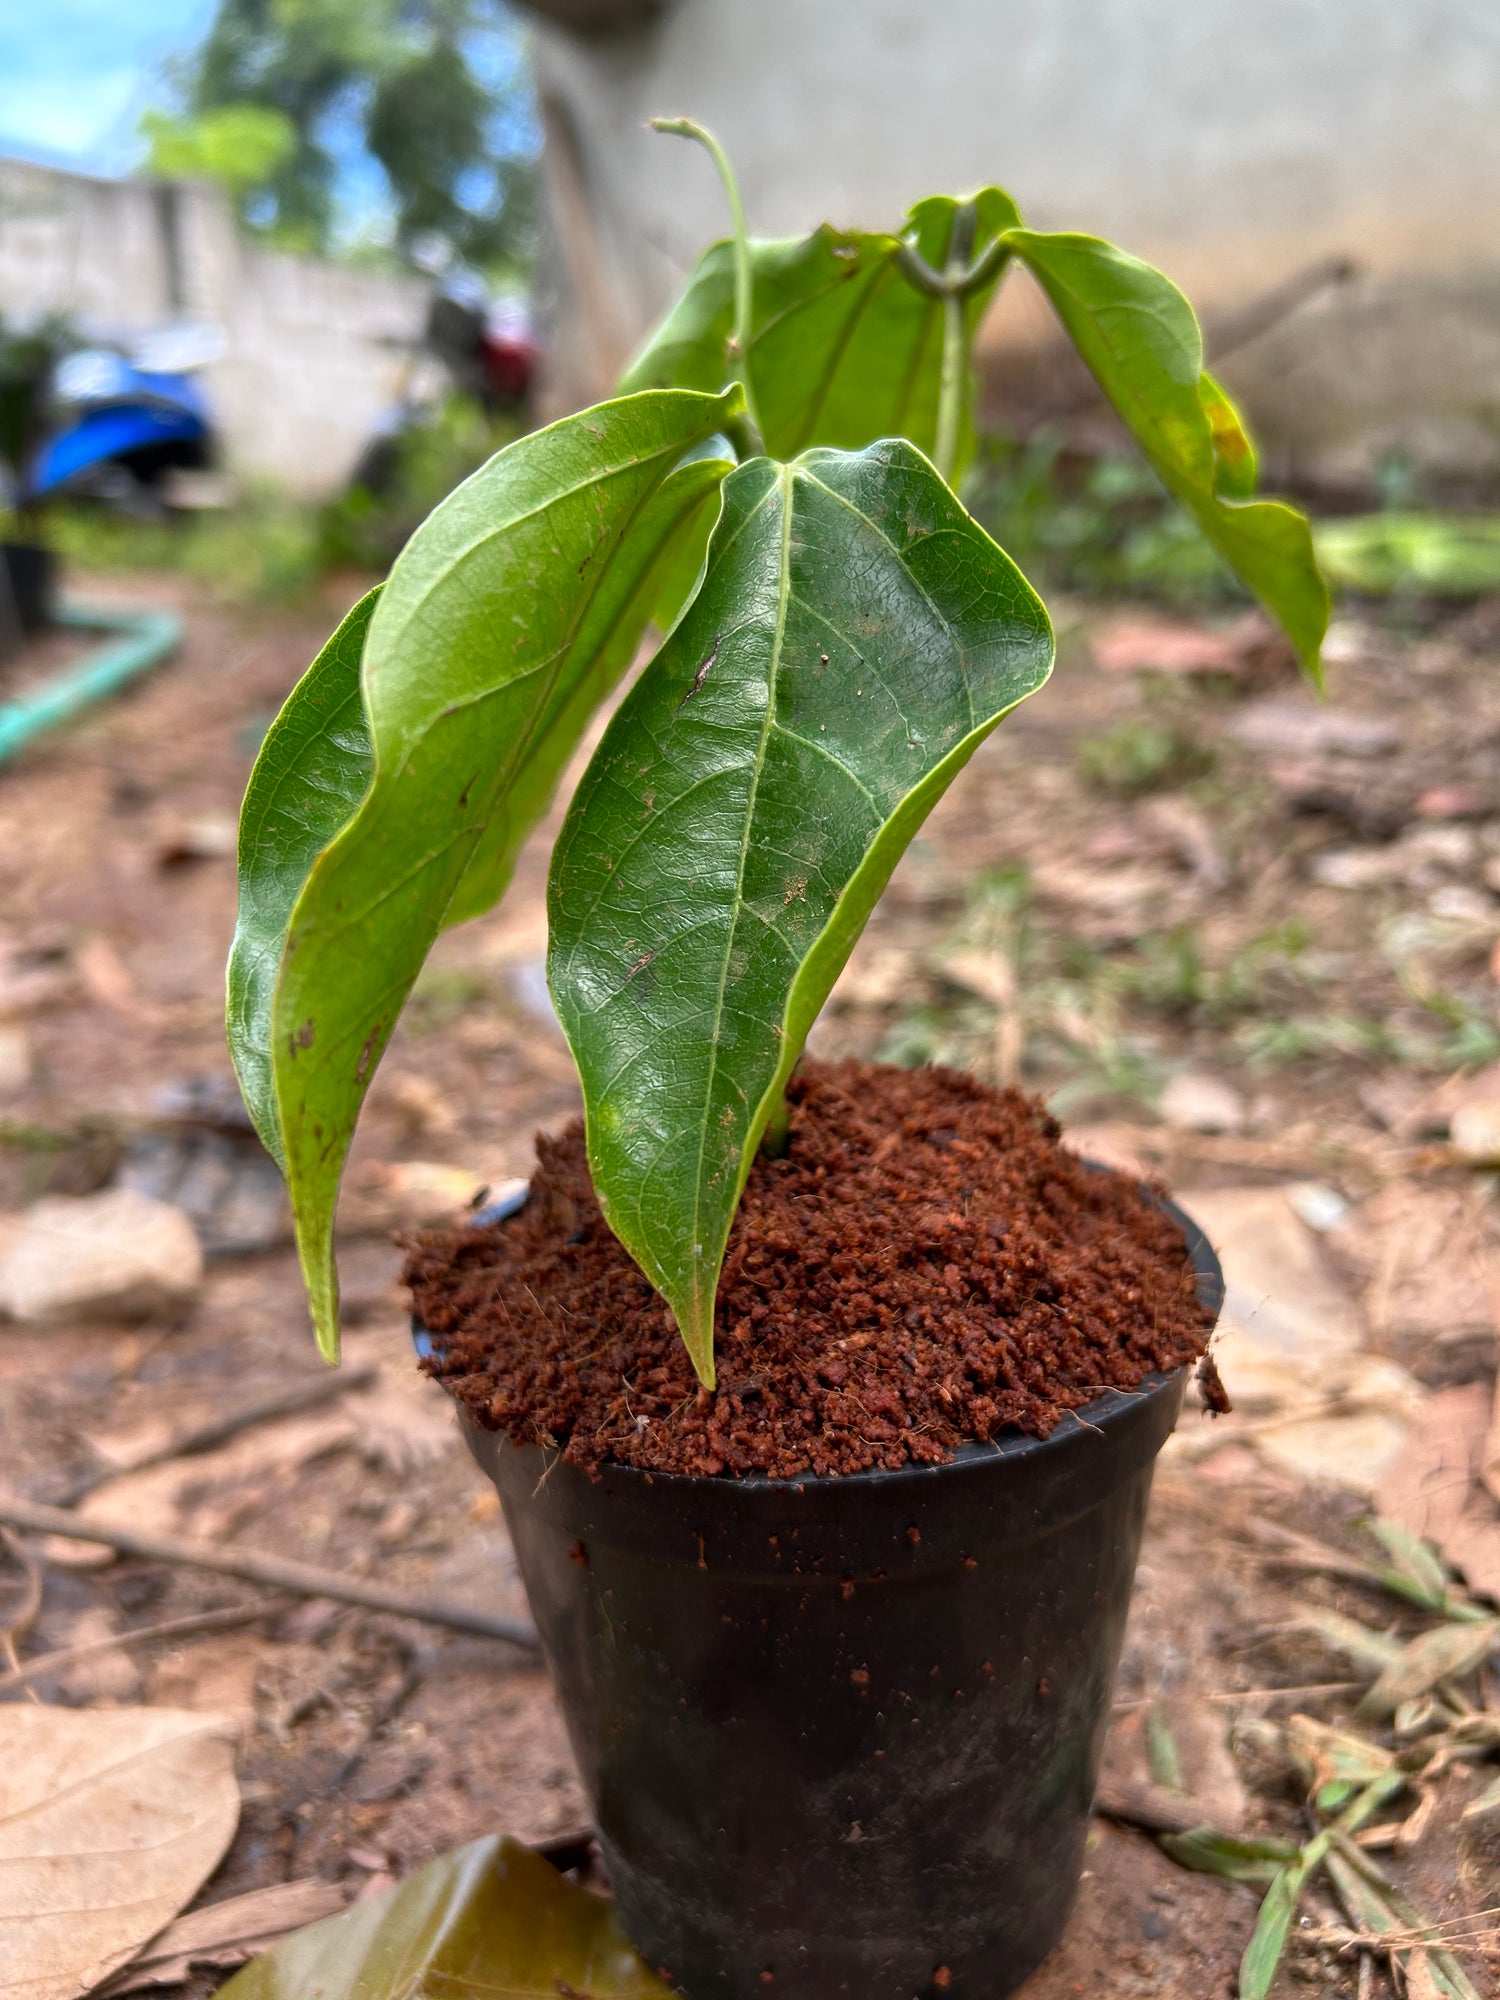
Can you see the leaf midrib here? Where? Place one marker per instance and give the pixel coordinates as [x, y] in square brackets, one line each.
[784, 478]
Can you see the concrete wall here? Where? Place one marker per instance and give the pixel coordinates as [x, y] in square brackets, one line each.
[1230, 141]
[315, 351]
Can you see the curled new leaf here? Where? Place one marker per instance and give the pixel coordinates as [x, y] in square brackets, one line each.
[855, 637]
[505, 620]
[845, 350]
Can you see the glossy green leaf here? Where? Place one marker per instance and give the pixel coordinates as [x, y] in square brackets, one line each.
[1211, 1853]
[491, 1921]
[313, 769]
[1138, 335]
[505, 619]
[845, 350]
[855, 637]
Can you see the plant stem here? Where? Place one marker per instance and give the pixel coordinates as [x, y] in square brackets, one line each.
[778, 1128]
[744, 323]
[955, 373]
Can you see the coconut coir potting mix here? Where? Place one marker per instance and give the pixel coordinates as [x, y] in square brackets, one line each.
[925, 1265]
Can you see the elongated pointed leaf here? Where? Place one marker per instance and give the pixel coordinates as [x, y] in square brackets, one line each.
[1211, 1853]
[1138, 335]
[313, 769]
[491, 1921]
[845, 350]
[507, 616]
[1262, 1955]
[855, 637]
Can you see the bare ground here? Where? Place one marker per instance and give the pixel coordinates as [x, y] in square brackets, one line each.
[1310, 925]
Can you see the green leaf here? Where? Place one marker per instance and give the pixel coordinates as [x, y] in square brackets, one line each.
[855, 637]
[1163, 1759]
[1210, 1853]
[1137, 334]
[1262, 1956]
[1416, 1561]
[845, 350]
[491, 1919]
[1235, 467]
[312, 771]
[508, 615]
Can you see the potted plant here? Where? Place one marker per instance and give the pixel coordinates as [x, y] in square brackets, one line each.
[834, 1618]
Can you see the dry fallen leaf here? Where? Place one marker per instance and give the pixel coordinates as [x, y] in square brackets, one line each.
[226, 1934]
[110, 1822]
[1434, 1488]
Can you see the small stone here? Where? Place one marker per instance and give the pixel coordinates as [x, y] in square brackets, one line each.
[115, 1255]
[1475, 1131]
[1194, 1102]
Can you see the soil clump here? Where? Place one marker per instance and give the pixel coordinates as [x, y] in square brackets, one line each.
[925, 1265]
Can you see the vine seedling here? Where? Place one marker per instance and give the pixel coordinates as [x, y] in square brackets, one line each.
[775, 488]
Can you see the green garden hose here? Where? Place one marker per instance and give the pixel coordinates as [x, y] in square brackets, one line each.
[140, 640]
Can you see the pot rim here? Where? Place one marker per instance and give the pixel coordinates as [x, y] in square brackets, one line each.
[1107, 1413]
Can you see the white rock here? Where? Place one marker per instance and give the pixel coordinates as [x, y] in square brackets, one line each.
[115, 1255]
[15, 1061]
[1475, 1131]
[1194, 1102]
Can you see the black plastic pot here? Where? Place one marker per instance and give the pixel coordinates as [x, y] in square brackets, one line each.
[841, 1735]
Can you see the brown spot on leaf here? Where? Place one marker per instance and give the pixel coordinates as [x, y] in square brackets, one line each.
[367, 1055]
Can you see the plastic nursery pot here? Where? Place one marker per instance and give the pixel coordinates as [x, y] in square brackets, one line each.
[841, 1734]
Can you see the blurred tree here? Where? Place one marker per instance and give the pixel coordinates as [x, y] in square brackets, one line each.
[302, 108]
[242, 146]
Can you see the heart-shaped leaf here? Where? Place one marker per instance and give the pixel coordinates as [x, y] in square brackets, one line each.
[490, 1920]
[505, 620]
[845, 350]
[1139, 337]
[855, 637]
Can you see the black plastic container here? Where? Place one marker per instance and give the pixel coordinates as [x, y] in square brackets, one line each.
[841, 1735]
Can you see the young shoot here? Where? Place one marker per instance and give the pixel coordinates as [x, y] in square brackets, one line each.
[775, 488]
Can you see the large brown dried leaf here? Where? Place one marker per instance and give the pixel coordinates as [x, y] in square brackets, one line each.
[110, 1821]
[1435, 1487]
[225, 1934]
[490, 1919]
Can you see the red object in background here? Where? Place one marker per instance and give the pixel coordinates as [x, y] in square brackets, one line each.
[508, 358]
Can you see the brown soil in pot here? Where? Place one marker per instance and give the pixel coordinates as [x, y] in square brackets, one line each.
[924, 1266]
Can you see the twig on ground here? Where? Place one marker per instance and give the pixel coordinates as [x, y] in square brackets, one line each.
[172, 1628]
[24, 1617]
[1153, 1808]
[303, 1579]
[323, 1387]
[1234, 1697]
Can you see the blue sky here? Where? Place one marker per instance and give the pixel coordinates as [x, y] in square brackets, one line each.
[75, 75]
